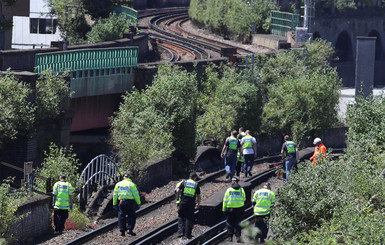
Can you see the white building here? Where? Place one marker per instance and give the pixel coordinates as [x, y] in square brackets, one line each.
[37, 30]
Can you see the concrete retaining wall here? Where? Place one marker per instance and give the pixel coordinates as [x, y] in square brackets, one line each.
[36, 223]
[159, 172]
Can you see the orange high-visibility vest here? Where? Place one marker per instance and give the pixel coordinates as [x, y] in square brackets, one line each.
[319, 152]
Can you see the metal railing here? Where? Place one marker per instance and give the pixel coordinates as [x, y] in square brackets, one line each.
[282, 22]
[87, 59]
[100, 171]
[130, 13]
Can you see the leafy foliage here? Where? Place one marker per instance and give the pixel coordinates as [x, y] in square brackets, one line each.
[77, 219]
[52, 91]
[339, 202]
[109, 29]
[229, 98]
[157, 121]
[302, 92]
[16, 110]
[9, 203]
[71, 19]
[58, 161]
[236, 16]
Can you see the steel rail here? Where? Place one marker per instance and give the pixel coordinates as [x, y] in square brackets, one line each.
[89, 236]
[170, 228]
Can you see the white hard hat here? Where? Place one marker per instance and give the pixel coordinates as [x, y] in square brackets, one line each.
[316, 141]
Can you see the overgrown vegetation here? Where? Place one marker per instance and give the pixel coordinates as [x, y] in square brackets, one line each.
[233, 16]
[59, 160]
[157, 121]
[229, 98]
[19, 112]
[10, 200]
[341, 201]
[109, 29]
[302, 91]
[16, 110]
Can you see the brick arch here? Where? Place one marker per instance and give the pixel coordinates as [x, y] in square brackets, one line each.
[379, 48]
[344, 48]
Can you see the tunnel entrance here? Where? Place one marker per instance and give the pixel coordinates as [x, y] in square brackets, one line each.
[344, 49]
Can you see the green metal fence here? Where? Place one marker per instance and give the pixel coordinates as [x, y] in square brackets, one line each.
[282, 22]
[93, 71]
[131, 13]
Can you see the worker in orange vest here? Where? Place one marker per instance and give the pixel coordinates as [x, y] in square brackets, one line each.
[319, 152]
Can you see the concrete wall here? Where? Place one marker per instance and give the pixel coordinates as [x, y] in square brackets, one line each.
[158, 172]
[36, 223]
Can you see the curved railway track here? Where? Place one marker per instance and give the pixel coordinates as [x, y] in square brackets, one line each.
[165, 205]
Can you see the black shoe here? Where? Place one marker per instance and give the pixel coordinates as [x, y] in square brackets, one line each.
[60, 232]
[229, 239]
[180, 235]
[262, 240]
[122, 233]
[228, 175]
[250, 174]
[189, 237]
[131, 233]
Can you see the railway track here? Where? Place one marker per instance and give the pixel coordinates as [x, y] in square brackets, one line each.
[165, 204]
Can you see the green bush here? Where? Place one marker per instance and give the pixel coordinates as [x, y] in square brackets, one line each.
[58, 161]
[109, 29]
[16, 111]
[302, 92]
[157, 121]
[236, 16]
[10, 201]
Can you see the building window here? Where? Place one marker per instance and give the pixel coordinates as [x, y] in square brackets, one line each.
[43, 26]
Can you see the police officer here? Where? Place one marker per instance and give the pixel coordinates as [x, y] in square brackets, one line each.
[62, 202]
[249, 148]
[263, 199]
[126, 200]
[190, 200]
[233, 203]
[289, 152]
[229, 151]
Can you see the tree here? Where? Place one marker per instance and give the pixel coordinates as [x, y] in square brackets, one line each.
[71, 19]
[229, 99]
[52, 91]
[16, 110]
[157, 121]
[302, 92]
[58, 161]
[109, 29]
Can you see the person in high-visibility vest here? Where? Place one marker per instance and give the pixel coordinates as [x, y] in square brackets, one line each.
[178, 195]
[240, 159]
[263, 200]
[289, 152]
[241, 131]
[233, 204]
[190, 194]
[249, 148]
[62, 202]
[229, 152]
[126, 200]
[319, 155]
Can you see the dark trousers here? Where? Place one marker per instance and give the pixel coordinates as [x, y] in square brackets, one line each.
[249, 162]
[234, 216]
[59, 218]
[185, 219]
[126, 215]
[238, 168]
[261, 224]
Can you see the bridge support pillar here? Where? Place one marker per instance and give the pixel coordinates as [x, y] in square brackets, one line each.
[365, 59]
